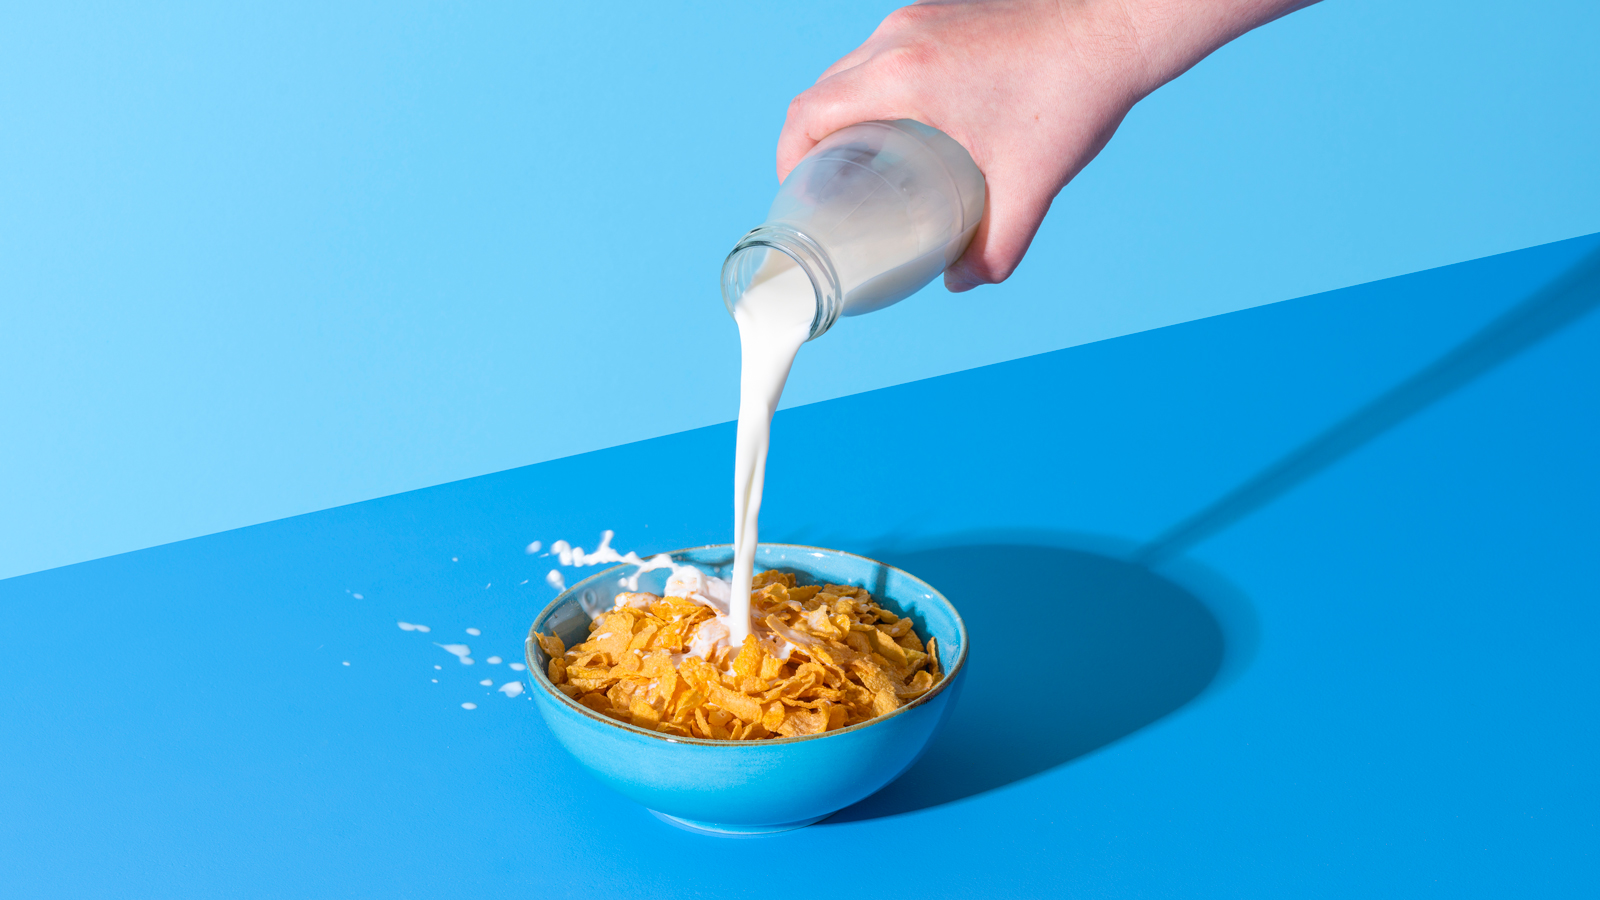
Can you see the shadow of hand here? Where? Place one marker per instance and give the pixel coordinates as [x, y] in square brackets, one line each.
[1070, 651]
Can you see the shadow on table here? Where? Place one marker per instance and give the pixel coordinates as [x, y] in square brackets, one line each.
[1101, 649]
[1547, 311]
[1114, 646]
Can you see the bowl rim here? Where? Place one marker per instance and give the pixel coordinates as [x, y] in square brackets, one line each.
[541, 678]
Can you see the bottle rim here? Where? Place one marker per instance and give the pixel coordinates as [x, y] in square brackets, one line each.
[798, 246]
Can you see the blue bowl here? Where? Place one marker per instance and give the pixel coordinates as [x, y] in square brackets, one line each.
[753, 787]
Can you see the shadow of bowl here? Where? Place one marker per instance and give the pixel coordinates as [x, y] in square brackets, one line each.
[1072, 651]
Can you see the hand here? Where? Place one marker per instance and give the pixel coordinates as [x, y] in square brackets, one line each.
[1032, 88]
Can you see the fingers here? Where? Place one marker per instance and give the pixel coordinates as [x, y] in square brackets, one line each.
[1012, 213]
[849, 61]
[1019, 190]
[839, 100]
[866, 83]
[860, 93]
[1032, 90]
[1020, 187]
[881, 37]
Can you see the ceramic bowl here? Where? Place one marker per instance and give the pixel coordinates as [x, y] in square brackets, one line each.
[764, 786]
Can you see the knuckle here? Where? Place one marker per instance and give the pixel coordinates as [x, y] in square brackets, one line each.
[907, 60]
[905, 17]
[804, 108]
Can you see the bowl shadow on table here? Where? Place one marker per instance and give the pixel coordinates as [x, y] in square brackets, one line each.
[1100, 648]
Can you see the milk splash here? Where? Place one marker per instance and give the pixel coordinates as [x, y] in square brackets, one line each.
[729, 625]
[604, 553]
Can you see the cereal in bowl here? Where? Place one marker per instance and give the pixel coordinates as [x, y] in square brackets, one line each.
[819, 658]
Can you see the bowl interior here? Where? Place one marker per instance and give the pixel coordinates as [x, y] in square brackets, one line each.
[902, 593]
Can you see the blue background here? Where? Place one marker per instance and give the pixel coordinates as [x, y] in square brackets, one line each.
[262, 259]
[1380, 683]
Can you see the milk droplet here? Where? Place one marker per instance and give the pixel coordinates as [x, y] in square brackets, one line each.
[493, 660]
[469, 706]
[474, 632]
[533, 548]
[555, 580]
[345, 663]
[459, 651]
[518, 667]
[486, 682]
[511, 688]
[408, 626]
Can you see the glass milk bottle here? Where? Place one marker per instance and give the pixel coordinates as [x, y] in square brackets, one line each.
[871, 215]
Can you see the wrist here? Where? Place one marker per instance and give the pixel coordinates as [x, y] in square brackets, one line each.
[1171, 36]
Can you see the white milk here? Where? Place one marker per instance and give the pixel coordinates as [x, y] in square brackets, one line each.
[688, 582]
[774, 317]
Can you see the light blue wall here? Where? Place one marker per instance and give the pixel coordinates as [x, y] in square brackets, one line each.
[261, 260]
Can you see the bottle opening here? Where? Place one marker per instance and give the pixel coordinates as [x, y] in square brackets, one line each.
[770, 250]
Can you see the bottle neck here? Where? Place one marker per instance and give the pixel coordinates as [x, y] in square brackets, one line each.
[748, 256]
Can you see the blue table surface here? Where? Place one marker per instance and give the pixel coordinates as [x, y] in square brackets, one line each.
[1382, 681]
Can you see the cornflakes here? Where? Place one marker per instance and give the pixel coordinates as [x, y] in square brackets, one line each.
[830, 657]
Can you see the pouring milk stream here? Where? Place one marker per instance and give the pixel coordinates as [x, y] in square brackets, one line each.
[872, 214]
